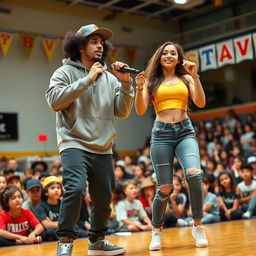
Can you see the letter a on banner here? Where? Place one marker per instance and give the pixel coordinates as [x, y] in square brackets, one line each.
[225, 52]
[49, 45]
[5, 41]
[243, 48]
[27, 43]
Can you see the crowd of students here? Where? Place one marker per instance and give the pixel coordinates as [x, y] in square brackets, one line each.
[30, 199]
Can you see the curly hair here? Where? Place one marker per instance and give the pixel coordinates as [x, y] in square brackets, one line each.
[72, 43]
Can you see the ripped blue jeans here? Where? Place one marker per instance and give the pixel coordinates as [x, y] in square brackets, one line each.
[169, 140]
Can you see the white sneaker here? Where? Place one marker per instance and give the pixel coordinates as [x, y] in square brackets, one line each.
[155, 243]
[246, 215]
[182, 223]
[199, 235]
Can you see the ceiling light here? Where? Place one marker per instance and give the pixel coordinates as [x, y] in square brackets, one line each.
[180, 1]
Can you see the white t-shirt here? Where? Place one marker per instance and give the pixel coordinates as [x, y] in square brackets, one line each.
[245, 189]
[132, 211]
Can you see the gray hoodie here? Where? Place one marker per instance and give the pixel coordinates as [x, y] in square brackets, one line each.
[85, 110]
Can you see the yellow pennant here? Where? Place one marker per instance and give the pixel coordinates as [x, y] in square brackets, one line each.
[113, 54]
[130, 54]
[5, 41]
[28, 42]
[49, 47]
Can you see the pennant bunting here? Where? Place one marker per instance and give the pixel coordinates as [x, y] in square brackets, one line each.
[243, 48]
[5, 41]
[28, 42]
[114, 54]
[254, 42]
[225, 52]
[130, 54]
[49, 45]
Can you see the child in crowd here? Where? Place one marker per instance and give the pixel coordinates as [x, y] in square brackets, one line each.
[228, 197]
[176, 204]
[130, 212]
[247, 191]
[34, 191]
[147, 193]
[47, 211]
[3, 183]
[210, 208]
[16, 181]
[15, 222]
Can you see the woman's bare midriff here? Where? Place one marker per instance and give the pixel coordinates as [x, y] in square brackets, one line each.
[171, 115]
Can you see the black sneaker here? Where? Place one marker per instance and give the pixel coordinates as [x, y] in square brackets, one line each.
[65, 247]
[104, 247]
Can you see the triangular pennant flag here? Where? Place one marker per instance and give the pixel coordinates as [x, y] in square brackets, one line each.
[28, 42]
[49, 45]
[113, 54]
[130, 54]
[5, 41]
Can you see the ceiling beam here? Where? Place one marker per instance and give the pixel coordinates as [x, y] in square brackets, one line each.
[137, 7]
[102, 6]
[159, 12]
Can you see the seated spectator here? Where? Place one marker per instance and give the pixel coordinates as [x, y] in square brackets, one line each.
[34, 192]
[147, 193]
[17, 230]
[40, 165]
[228, 197]
[252, 162]
[129, 166]
[210, 208]
[247, 191]
[13, 164]
[236, 169]
[176, 204]
[3, 164]
[246, 139]
[3, 182]
[16, 181]
[139, 173]
[130, 212]
[8, 173]
[47, 211]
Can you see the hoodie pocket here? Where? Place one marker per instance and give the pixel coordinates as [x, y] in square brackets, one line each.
[98, 133]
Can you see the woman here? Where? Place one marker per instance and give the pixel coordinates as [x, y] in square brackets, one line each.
[168, 82]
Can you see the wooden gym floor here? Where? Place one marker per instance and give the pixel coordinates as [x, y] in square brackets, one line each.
[237, 238]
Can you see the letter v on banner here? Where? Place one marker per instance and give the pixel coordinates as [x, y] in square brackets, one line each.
[243, 48]
[49, 45]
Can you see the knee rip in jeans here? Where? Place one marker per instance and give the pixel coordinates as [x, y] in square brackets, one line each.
[194, 171]
[166, 190]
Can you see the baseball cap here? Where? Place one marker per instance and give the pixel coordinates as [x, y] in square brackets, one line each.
[50, 179]
[93, 29]
[251, 159]
[32, 183]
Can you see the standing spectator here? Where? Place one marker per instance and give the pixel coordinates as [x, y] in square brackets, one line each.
[13, 164]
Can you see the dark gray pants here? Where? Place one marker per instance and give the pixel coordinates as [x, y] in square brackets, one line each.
[79, 166]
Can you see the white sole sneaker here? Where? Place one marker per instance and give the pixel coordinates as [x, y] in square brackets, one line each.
[155, 243]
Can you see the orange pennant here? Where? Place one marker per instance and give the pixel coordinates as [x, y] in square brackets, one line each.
[49, 46]
[130, 54]
[114, 54]
[5, 41]
[28, 42]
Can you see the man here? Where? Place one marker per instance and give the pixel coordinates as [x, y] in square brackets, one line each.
[86, 98]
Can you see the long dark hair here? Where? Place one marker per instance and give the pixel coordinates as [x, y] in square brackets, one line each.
[154, 71]
[232, 181]
[72, 43]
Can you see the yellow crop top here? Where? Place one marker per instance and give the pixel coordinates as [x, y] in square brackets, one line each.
[171, 96]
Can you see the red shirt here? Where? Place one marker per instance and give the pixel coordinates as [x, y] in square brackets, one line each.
[146, 206]
[18, 225]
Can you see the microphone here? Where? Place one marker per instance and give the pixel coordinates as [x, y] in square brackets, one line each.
[126, 69]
